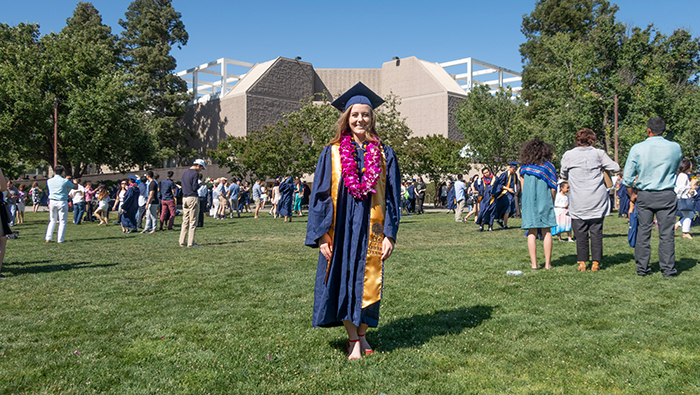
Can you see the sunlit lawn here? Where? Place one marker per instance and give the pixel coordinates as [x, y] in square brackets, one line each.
[127, 314]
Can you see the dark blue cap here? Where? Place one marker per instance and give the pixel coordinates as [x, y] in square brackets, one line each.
[358, 94]
[514, 163]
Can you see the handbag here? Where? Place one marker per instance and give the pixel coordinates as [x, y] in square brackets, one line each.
[607, 178]
[685, 205]
[632, 232]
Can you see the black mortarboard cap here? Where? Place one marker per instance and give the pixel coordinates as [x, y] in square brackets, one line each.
[358, 94]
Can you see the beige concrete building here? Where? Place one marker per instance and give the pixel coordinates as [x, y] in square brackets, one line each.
[228, 104]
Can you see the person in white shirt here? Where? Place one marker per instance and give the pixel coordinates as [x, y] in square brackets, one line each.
[561, 211]
[78, 196]
[202, 197]
[685, 189]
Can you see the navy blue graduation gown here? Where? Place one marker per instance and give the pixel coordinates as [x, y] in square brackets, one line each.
[506, 203]
[340, 298]
[624, 201]
[286, 197]
[130, 207]
[487, 211]
[451, 204]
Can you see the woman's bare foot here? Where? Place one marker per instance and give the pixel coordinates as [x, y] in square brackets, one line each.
[365, 348]
[353, 349]
[687, 236]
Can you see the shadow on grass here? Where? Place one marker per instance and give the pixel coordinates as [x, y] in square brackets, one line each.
[614, 235]
[24, 269]
[685, 264]
[564, 260]
[608, 260]
[681, 265]
[206, 243]
[120, 237]
[618, 259]
[420, 329]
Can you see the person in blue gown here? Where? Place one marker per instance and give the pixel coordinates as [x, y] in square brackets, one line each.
[451, 204]
[355, 234]
[487, 205]
[286, 198]
[130, 208]
[624, 201]
[503, 189]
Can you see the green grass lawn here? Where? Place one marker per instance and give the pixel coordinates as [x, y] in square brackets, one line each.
[136, 314]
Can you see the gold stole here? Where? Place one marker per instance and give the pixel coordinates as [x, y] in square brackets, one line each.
[504, 191]
[372, 290]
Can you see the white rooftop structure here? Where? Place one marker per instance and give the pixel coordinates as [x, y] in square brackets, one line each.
[214, 80]
[233, 98]
[477, 68]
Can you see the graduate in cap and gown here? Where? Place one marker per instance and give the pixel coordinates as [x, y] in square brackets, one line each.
[354, 210]
[286, 196]
[487, 205]
[451, 203]
[504, 190]
[130, 207]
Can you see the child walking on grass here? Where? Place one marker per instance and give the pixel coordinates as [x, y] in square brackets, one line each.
[561, 212]
[539, 189]
[102, 195]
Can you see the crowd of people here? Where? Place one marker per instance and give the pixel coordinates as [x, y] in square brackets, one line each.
[575, 200]
[357, 200]
[149, 204]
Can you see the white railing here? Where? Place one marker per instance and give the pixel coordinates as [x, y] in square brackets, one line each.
[213, 80]
[467, 81]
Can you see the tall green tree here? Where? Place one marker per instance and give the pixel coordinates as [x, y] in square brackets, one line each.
[577, 57]
[25, 106]
[79, 69]
[394, 132]
[437, 157]
[151, 29]
[99, 121]
[493, 126]
[570, 68]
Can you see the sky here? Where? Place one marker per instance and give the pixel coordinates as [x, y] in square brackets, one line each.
[359, 34]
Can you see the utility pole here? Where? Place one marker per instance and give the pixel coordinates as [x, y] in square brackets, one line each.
[55, 132]
[616, 143]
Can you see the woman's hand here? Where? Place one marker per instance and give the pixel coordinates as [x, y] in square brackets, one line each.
[387, 248]
[325, 243]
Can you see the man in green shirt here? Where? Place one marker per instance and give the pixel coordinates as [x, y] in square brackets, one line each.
[651, 168]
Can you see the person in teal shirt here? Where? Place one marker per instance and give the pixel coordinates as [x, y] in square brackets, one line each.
[651, 168]
[58, 203]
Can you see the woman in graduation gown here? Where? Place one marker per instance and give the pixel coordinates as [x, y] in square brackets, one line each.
[353, 219]
[487, 206]
[451, 204]
[130, 208]
[287, 195]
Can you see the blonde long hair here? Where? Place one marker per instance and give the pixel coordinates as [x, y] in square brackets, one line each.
[343, 126]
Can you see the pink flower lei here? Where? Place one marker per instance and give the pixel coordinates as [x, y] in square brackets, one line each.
[359, 189]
